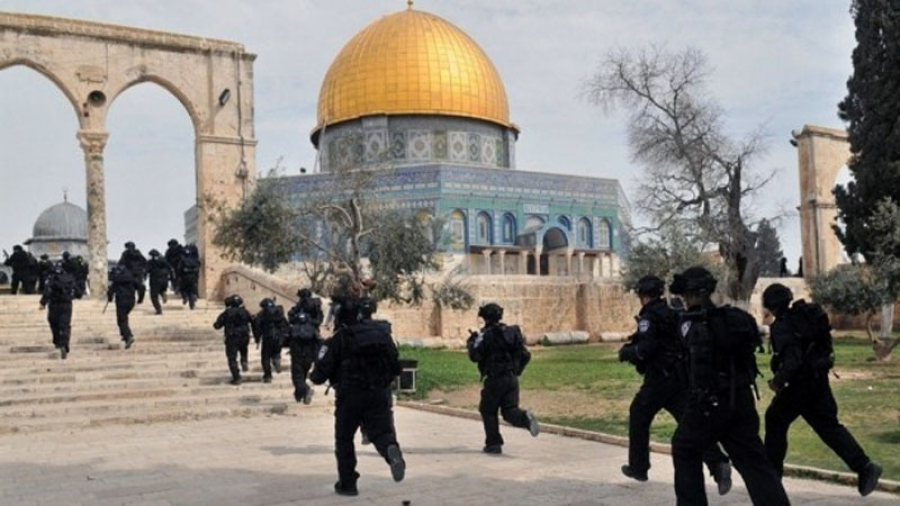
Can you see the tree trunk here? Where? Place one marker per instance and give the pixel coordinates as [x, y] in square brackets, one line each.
[887, 321]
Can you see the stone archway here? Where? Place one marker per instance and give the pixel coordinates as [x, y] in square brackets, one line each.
[93, 63]
[821, 153]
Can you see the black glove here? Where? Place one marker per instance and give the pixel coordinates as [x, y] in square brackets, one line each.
[629, 353]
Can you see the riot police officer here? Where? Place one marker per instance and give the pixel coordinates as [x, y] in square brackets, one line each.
[135, 261]
[655, 349]
[269, 327]
[159, 271]
[19, 262]
[236, 320]
[360, 361]
[59, 290]
[304, 341]
[45, 268]
[173, 255]
[81, 276]
[310, 305]
[802, 355]
[189, 275]
[721, 406]
[122, 287]
[500, 352]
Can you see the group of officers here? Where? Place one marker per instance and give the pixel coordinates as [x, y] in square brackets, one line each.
[359, 361]
[29, 274]
[66, 280]
[699, 364]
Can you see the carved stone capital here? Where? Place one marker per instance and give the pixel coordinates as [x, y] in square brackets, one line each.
[93, 143]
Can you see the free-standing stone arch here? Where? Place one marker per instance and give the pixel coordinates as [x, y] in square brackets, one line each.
[821, 153]
[93, 63]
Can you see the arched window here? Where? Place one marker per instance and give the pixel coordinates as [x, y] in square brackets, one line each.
[534, 221]
[457, 226]
[604, 238]
[485, 229]
[564, 221]
[584, 233]
[509, 228]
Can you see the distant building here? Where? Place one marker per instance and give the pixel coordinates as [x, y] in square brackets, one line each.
[416, 101]
[61, 227]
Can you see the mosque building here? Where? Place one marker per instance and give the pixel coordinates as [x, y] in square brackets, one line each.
[60, 227]
[415, 102]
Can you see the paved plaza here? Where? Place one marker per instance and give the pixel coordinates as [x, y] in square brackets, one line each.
[288, 459]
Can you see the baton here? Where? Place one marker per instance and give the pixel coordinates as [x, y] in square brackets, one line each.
[104, 307]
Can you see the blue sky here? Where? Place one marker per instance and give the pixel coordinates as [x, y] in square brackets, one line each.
[776, 65]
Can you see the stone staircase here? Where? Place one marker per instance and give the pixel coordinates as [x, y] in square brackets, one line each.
[176, 369]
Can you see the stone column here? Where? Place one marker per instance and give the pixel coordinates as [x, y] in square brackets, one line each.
[93, 143]
[502, 254]
[580, 263]
[487, 260]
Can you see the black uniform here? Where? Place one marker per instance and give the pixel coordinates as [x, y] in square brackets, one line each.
[236, 320]
[122, 287]
[303, 342]
[801, 368]
[721, 406]
[59, 290]
[135, 261]
[45, 268]
[173, 255]
[658, 353]
[81, 276]
[19, 263]
[189, 275]
[360, 361]
[501, 355]
[270, 326]
[159, 272]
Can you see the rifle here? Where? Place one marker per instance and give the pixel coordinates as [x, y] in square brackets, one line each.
[5, 254]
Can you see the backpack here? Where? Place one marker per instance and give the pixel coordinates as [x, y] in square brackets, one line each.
[810, 324]
[302, 331]
[505, 352]
[373, 359]
[190, 265]
[736, 342]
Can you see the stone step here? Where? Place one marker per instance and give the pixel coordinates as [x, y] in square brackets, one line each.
[175, 371]
[139, 411]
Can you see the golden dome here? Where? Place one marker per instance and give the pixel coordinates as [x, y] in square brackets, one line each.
[411, 62]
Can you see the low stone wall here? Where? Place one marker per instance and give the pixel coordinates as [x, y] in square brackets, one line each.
[540, 305]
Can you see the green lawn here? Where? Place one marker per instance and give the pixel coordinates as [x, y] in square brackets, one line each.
[868, 395]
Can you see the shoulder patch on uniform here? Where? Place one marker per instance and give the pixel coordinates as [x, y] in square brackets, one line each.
[685, 328]
[322, 351]
[643, 325]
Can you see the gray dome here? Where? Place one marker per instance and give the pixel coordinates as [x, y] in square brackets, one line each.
[62, 221]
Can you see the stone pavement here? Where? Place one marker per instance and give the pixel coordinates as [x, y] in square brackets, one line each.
[288, 459]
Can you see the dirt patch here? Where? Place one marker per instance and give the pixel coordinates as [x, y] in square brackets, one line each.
[556, 403]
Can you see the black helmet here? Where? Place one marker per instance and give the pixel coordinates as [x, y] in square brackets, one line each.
[154, 253]
[491, 312]
[17, 247]
[776, 296]
[173, 242]
[693, 279]
[129, 245]
[367, 307]
[65, 255]
[304, 293]
[266, 303]
[45, 257]
[346, 310]
[650, 285]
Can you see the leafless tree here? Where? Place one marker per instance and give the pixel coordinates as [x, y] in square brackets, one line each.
[692, 169]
